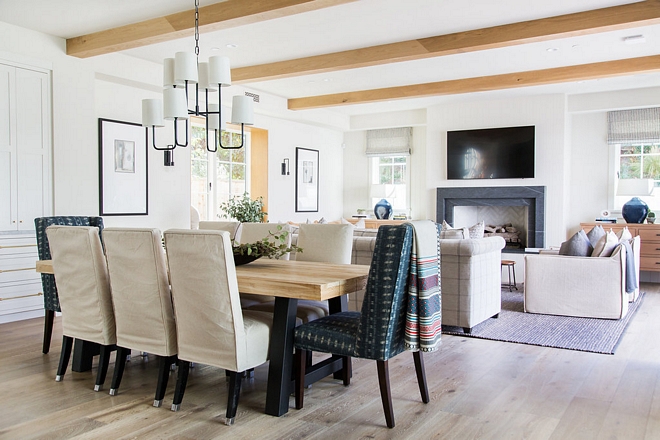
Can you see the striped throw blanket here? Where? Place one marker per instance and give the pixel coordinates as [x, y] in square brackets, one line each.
[423, 320]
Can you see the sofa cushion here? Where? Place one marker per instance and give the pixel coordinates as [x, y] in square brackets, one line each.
[477, 231]
[577, 246]
[624, 234]
[596, 233]
[447, 232]
[605, 245]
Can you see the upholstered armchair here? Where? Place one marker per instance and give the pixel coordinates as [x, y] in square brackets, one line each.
[377, 332]
[234, 228]
[51, 300]
[84, 292]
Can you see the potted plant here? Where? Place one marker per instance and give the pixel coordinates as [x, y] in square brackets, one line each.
[244, 209]
[650, 218]
[271, 246]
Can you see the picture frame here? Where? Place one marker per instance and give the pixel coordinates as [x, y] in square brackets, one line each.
[123, 168]
[307, 180]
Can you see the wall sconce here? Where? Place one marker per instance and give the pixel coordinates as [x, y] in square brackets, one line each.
[285, 167]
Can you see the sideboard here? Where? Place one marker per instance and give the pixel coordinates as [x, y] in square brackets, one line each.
[649, 235]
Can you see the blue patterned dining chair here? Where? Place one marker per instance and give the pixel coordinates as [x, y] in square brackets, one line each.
[377, 332]
[51, 300]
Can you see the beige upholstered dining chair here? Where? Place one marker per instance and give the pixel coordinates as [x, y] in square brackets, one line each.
[211, 327]
[234, 228]
[141, 299]
[82, 282]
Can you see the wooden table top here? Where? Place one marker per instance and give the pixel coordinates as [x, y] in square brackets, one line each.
[290, 279]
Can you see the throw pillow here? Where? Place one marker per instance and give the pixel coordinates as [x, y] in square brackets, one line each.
[360, 224]
[595, 234]
[577, 246]
[447, 232]
[323, 221]
[477, 231]
[605, 245]
[624, 234]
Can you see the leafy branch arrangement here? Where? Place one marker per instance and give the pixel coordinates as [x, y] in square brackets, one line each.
[272, 246]
[244, 209]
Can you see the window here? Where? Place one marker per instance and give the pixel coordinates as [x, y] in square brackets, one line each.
[216, 177]
[640, 162]
[389, 180]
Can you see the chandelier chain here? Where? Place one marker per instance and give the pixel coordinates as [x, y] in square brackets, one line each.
[197, 28]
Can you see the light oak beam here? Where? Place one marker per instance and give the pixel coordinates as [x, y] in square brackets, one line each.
[562, 26]
[223, 15]
[605, 69]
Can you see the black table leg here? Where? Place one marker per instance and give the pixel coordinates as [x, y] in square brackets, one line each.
[83, 353]
[281, 356]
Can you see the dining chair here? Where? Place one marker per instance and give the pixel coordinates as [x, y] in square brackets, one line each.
[84, 293]
[142, 301]
[51, 299]
[234, 228]
[377, 332]
[211, 327]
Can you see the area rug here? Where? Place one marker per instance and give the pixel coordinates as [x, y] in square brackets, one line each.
[583, 334]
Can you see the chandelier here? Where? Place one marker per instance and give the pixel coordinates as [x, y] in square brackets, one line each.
[207, 78]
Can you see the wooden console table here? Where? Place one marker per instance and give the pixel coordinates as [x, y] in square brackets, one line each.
[374, 223]
[649, 235]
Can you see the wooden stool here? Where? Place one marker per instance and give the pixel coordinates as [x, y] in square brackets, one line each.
[510, 267]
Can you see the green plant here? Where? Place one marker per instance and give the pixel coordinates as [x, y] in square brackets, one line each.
[651, 214]
[272, 246]
[244, 209]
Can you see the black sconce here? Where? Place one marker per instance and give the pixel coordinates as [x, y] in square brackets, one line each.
[285, 167]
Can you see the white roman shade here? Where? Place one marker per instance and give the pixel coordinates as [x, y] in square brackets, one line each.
[634, 126]
[389, 142]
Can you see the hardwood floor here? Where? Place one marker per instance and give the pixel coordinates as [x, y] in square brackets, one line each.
[479, 390]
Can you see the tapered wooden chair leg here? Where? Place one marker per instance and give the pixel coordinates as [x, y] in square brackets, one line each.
[120, 364]
[347, 370]
[300, 366]
[104, 361]
[233, 394]
[181, 381]
[421, 376]
[65, 355]
[49, 318]
[385, 393]
[164, 363]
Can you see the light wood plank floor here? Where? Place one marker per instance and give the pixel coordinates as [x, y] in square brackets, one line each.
[479, 390]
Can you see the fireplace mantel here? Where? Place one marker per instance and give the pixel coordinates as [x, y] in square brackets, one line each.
[531, 196]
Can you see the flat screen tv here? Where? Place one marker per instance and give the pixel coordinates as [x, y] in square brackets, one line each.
[491, 153]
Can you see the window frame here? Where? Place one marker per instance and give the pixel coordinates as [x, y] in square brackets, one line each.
[374, 173]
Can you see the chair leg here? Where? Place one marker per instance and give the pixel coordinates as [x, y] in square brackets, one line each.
[120, 364]
[300, 365]
[181, 381]
[104, 361]
[65, 355]
[467, 330]
[164, 363]
[49, 318]
[385, 393]
[421, 376]
[347, 370]
[232, 398]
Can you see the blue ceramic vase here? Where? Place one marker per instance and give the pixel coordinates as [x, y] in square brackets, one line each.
[635, 210]
[383, 210]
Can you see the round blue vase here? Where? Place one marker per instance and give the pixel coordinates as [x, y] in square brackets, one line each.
[635, 210]
[383, 210]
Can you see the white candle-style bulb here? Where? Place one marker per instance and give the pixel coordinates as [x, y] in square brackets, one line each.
[219, 71]
[214, 120]
[152, 113]
[203, 70]
[185, 67]
[174, 105]
[168, 73]
[242, 110]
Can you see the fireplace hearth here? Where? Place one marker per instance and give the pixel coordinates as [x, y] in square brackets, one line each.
[531, 197]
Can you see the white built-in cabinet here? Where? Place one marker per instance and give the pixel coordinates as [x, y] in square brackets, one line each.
[25, 184]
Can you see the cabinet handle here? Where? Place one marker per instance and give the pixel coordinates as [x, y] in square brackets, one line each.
[14, 221]
[21, 221]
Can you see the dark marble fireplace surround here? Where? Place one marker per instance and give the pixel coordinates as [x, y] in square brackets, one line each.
[533, 197]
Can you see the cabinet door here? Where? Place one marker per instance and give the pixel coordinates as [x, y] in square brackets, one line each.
[7, 149]
[33, 146]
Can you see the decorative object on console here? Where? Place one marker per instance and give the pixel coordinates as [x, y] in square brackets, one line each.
[383, 210]
[650, 217]
[635, 210]
[183, 70]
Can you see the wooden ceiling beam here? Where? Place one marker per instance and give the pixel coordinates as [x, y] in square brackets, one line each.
[223, 15]
[581, 23]
[605, 69]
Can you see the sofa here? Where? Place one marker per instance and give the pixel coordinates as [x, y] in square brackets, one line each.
[590, 287]
[470, 276]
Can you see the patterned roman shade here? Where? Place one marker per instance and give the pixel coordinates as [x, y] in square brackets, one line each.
[634, 126]
[389, 142]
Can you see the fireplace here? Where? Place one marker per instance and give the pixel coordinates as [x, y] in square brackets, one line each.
[531, 197]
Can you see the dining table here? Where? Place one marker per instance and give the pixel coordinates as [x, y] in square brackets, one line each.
[288, 281]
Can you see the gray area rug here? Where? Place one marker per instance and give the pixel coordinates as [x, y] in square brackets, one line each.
[583, 334]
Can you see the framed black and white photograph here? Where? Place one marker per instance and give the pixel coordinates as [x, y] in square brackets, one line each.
[307, 180]
[123, 168]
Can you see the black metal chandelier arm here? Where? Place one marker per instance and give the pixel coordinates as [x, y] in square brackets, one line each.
[238, 147]
[215, 139]
[176, 134]
[153, 139]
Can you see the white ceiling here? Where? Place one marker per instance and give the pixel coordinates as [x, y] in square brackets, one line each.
[360, 24]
